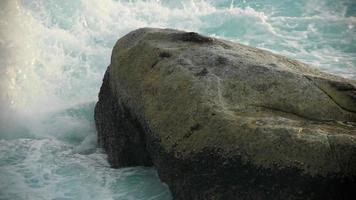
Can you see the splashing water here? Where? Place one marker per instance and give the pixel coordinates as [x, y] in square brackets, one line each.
[53, 54]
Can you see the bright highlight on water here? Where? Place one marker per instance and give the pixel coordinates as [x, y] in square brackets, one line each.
[53, 55]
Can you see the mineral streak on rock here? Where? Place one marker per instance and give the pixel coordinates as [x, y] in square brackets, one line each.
[221, 120]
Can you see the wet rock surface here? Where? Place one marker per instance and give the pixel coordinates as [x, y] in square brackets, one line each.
[221, 120]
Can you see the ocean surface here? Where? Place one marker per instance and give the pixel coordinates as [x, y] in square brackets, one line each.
[53, 54]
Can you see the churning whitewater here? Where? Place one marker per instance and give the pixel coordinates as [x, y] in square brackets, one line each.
[53, 55]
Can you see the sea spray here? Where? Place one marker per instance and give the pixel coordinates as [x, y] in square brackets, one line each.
[53, 55]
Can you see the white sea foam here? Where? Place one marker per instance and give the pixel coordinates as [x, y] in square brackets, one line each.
[49, 169]
[53, 54]
[58, 50]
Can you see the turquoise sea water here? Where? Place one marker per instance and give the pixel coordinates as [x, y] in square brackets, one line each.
[53, 54]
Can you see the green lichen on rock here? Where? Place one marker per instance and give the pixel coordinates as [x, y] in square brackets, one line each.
[192, 98]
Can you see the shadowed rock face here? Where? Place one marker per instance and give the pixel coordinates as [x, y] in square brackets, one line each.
[220, 120]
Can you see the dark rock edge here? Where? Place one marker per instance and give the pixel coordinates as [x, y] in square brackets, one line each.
[128, 141]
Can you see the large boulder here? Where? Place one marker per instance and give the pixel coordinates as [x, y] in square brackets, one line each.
[221, 120]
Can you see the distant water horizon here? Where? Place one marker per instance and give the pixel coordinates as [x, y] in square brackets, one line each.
[53, 55]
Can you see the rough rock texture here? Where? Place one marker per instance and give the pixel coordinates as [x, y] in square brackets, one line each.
[220, 120]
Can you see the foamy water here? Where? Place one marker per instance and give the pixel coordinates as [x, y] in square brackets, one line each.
[53, 54]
